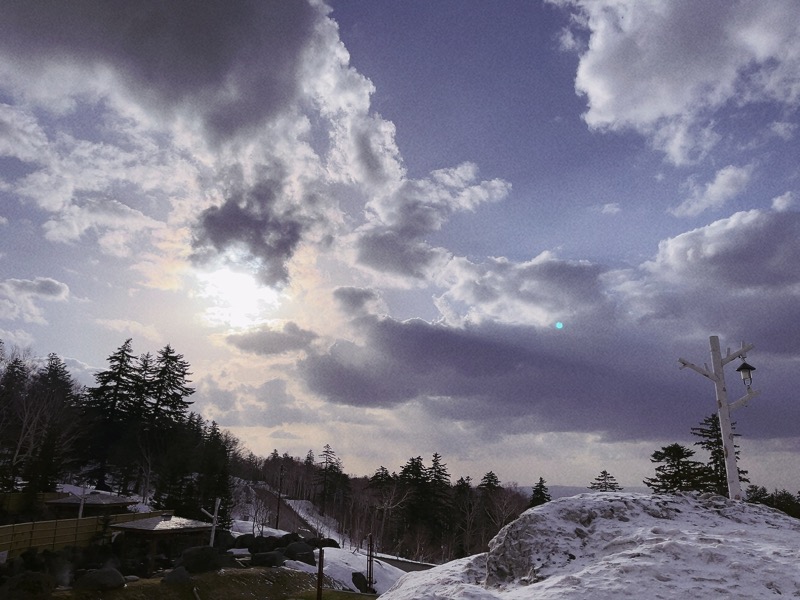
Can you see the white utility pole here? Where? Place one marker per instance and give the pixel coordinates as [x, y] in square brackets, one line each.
[717, 375]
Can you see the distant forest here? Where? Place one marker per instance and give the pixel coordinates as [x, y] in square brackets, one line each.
[133, 433]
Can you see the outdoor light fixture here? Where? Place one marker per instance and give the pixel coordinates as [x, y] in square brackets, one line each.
[746, 371]
[724, 408]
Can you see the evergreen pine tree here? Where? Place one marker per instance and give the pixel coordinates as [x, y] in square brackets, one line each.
[55, 392]
[539, 494]
[113, 408]
[710, 436]
[677, 472]
[605, 482]
[169, 389]
[440, 503]
[329, 477]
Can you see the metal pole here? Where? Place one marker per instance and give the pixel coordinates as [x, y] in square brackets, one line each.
[280, 486]
[724, 413]
[370, 563]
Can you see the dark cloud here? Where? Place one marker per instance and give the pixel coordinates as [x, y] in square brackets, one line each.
[356, 301]
[388, 250]
[257, 225]
[490, 376]
[268, 342]
[395, 239]
[41, 286]
[234, 64]
[738, 275]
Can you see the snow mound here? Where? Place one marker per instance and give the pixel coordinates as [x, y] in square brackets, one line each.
[612, 545]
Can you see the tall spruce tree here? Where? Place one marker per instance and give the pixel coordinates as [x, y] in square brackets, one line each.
[539, 494]
[605, 482]
[677, 472]
[169, 388]
[440, 504]
[710, 435]
[114, 408]
[330, 478]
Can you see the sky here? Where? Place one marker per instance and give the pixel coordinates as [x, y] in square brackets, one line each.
[483, 229]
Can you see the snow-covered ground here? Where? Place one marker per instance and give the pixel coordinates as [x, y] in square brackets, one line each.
[340, 564]
[618, 545]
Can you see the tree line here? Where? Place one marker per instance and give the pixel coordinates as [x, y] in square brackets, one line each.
[677, 470]
[133, 432]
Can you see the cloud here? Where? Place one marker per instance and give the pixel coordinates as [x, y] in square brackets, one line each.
[783, 202]
[537, 292]
[268, 342]
[394, 237]
[131, 328]
[664, 69]
[267, 405]
[359, 301]
[738, 275]
[19, 298]
[728, 183]
[20, 134]
[115, 222]
[174, 59]
[610, 208]
[257, 221]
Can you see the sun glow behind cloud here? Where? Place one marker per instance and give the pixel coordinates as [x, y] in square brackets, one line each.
[236, 299]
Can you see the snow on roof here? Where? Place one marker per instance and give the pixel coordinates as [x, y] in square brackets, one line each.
[167, 523]
[611, 545]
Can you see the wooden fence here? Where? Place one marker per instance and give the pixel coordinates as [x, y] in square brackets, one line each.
[17, 502]
[53, 535]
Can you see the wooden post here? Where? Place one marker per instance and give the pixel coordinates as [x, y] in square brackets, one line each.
[319, 573]
[213, 520]
[717, 375]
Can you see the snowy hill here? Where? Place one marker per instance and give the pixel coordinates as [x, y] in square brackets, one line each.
[609, 545]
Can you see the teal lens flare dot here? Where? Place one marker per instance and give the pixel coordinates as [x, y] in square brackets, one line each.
[559, 325]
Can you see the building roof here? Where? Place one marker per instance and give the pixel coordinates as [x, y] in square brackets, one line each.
[164, 524]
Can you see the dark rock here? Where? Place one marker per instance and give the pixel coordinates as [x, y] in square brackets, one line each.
[328, 543]
[224, 540]
[244, 541]
[268, 559]
[360, 581]
[101, 579]
[264, 544]
[199, 559]
[302, 552]
[29, 585]
[227, 561]
[178, 576]
[288, 538]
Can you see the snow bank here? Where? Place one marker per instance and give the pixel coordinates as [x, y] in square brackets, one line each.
[612, 545]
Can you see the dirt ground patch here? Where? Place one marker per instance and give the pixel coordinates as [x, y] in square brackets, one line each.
[233, 584]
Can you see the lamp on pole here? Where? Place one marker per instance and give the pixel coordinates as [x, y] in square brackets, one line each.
[717, 375]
